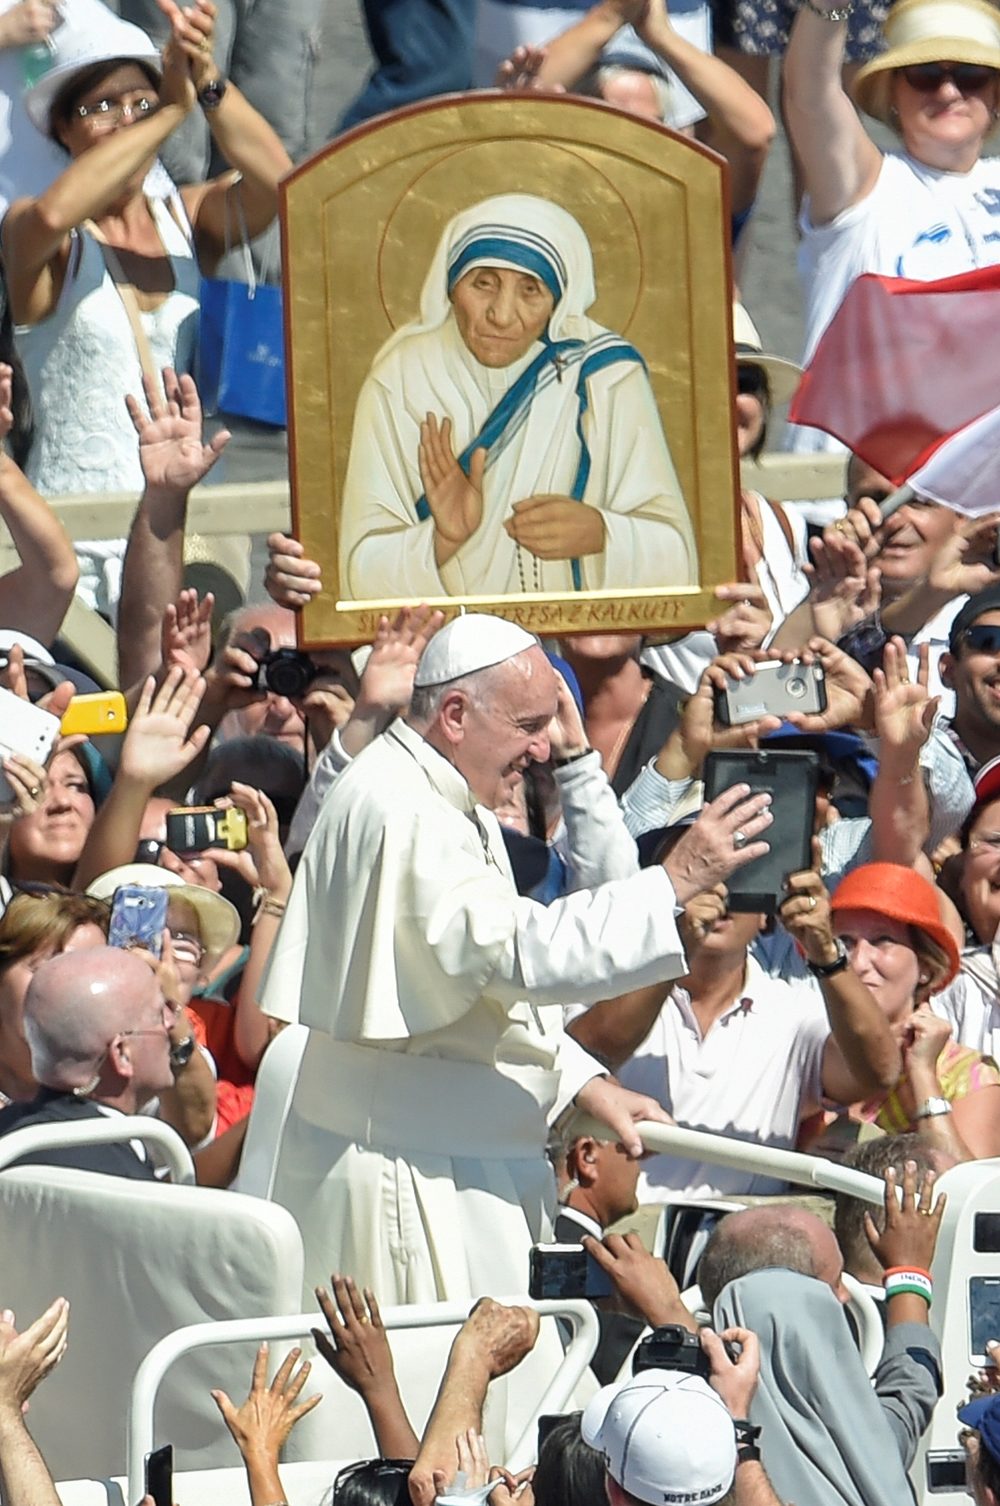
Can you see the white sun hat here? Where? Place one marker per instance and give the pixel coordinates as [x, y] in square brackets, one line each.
[218, 920]
[79, 43]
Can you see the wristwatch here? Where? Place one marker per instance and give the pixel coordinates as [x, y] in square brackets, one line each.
[210, 98]
[746, 1442]
[932, 1107]
[827, 969]
[182, 1053]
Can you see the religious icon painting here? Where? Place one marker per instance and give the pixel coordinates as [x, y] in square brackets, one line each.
[511, 368]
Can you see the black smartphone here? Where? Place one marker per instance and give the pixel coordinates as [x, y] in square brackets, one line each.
[557, 1271]
[192, 828]
[790, 778]
[160, 1475]
[774, 689]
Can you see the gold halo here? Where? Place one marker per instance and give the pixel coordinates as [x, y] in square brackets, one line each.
[566, 176]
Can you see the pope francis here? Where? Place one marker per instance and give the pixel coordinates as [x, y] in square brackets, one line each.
[412, 1154]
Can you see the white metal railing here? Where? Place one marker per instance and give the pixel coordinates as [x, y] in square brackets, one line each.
[158, 1361]
[124, 1127]
[761, 1160]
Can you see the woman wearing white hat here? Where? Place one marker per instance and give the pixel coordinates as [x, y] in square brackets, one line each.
[104, 280]
[927, 211]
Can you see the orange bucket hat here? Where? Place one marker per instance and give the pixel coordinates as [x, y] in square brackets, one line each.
[903, 895]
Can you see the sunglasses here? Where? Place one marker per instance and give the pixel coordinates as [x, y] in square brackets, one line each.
[968, 78]
[982, 639]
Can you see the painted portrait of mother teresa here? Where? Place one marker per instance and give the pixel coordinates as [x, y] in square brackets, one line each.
[503, 442]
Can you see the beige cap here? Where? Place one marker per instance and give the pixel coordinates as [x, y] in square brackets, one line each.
[927, 31]
[782, 376]
[87, 36]
[469, 643]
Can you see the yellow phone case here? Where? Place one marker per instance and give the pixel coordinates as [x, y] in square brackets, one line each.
[102, 712]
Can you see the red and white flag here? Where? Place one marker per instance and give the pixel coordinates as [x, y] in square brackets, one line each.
[907, 375]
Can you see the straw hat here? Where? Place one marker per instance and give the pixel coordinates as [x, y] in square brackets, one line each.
[782, 376]
[927, 31]
[81, 41]
[218, 920]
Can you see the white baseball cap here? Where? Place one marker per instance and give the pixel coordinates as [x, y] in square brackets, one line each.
[218, 919]
[469, 643]
[666, 1437]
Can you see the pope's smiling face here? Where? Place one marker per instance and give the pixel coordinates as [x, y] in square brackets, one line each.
[500, 313]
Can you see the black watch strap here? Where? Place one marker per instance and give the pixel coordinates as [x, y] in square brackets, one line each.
[182, 1053]
[746, 1441]
[827, 969]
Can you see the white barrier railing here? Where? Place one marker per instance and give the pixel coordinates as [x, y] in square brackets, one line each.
[172, 1151]
[762, 1160]
[154, 1367]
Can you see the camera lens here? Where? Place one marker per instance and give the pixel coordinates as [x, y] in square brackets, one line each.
[288, 673]
[796, 688]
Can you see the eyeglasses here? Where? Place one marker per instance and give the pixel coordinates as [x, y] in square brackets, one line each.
[103, 114]
[982, 639]
[186, 947]
[968, 78]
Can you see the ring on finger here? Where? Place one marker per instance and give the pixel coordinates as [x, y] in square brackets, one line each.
[812, 901]
[739, 839]
[35, 791]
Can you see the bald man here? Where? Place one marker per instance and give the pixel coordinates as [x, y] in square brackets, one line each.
[97, 1025]
[413, 1152]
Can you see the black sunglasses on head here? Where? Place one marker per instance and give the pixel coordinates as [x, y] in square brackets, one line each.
[982, 639]
[968, 78]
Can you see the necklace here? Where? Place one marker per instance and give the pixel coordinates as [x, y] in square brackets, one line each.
[611, 767]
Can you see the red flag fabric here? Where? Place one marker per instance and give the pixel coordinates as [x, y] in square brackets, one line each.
[904, 365]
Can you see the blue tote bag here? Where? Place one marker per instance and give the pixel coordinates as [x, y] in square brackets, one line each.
[241, 348]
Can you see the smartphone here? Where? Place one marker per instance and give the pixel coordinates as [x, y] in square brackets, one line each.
[984, 1317]
[138, 918]
[192, 828]
[945, 1470]
[160, 1475]
[92, 714]
[774, 689]
[557, 1271]
[26, 729]
[790, 778]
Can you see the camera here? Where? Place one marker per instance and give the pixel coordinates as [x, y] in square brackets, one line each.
[285, 671]
[672, 1347]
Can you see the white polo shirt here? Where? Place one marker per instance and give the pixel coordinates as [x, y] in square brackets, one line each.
[749, 1078]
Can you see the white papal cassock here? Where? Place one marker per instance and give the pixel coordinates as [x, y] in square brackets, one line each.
[413, 1153]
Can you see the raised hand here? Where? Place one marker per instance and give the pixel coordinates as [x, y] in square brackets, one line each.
[903, 709]
[171, 452]
[723, 838]
[909, 1238]
[845, 587]
[643, 1281]
[848, 690]
[745, 624]
[290, 579]
[501, 1336]
[357, 1346]
[700, 916]
[454, 498]
[269, 1413]
[556, 528]
[195, 34]
[805, 915]
[520, 72]
[27, 1358]
[186, 634]
[262, 863]
[566, 732]
[159, 742]
[967, 562]
[31, 21]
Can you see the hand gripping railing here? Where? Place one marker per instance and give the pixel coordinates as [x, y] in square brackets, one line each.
[154, 1367]
[123, 1127]
[760, 1160]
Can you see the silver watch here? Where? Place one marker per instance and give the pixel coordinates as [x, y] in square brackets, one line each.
[932, 1107]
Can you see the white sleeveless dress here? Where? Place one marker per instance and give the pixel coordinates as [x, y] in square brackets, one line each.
[81, 362]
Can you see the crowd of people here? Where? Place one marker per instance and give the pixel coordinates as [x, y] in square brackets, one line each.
[481, 868]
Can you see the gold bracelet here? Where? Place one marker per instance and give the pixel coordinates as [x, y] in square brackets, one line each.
[275, 907]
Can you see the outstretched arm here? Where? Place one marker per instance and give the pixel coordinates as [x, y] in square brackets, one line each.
[741, 125]
[838, 159]
[174, 460]
[34, 596]
[25, 1360]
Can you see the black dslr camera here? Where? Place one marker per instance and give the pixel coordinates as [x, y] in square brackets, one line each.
[285, 671]
[672, 1347]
